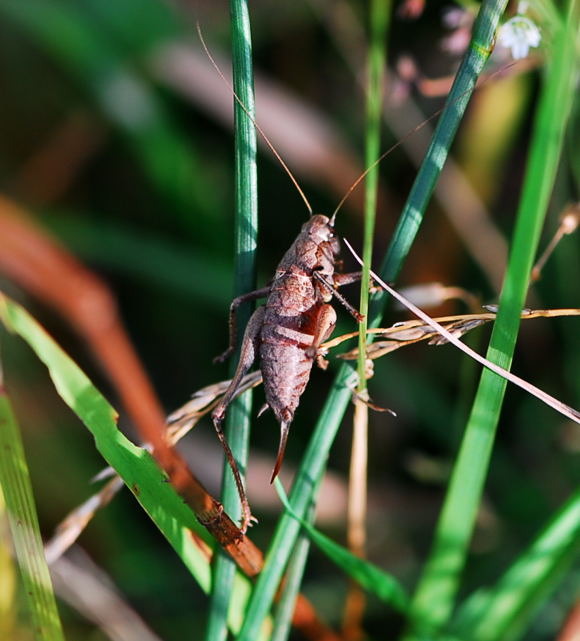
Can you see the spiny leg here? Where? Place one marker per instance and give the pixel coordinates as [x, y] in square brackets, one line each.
[340, 279]
[247, 357]
[346, 279]
[247, 517]
[351, 310]
[244, 298]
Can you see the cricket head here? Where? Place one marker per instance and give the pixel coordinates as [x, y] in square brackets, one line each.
[320, 228]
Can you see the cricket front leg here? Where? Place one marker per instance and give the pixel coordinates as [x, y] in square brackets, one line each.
[346, 279]
[332, 289]
[248, 354]
[354, 277]
[244, 298]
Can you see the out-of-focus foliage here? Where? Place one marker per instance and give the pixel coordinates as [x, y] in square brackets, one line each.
[115, 136]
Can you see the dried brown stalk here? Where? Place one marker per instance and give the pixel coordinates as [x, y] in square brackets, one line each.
[415, 331]
[554, 403]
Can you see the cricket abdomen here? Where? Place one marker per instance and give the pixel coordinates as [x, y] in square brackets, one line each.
[287, 334]
[285, 372]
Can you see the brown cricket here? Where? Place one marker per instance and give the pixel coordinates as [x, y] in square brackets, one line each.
[287, 331]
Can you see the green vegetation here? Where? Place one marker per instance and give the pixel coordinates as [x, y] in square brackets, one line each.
[117, 142]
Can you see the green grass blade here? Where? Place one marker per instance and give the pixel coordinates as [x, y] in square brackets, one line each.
[368, 575]
[23, 519]
[133, 464]
[7, 576]
[380, 12]
[504, 612]
[314, 460]
[292, 581]
[293, 578]
[438, 585]
[246, 230]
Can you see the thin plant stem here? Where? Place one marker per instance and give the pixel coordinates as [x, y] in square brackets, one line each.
[357, 494]
[245, 239]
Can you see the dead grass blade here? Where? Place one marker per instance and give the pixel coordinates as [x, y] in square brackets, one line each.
[407, 333]
[87, 589]
[562, 408]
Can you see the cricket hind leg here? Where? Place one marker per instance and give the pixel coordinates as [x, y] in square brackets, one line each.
[324, 326]
[247, 356]
[244, 298]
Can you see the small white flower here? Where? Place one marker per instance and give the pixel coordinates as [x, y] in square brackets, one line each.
[519, 34]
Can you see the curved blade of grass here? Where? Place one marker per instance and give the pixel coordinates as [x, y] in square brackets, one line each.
[23, 520]
[134, 465]
[503, 612]
[245, 240]
[368, 575]
[73, 39]
[314, 460]
[438, 585]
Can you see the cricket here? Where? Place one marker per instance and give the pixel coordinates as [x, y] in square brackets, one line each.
[286, 332]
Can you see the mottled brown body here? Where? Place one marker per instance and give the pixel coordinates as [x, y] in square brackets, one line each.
[288, 330]
[295, 315]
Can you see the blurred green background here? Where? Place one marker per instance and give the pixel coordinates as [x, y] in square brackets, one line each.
[115, 135]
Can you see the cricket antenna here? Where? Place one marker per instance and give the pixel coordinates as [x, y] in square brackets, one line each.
[410, 133]
[256, 125]
[392, 148]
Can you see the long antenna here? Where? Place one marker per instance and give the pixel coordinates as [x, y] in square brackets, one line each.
[256, 125]
[410, 133]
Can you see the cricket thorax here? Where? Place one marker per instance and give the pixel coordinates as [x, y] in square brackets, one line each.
[314, 250]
